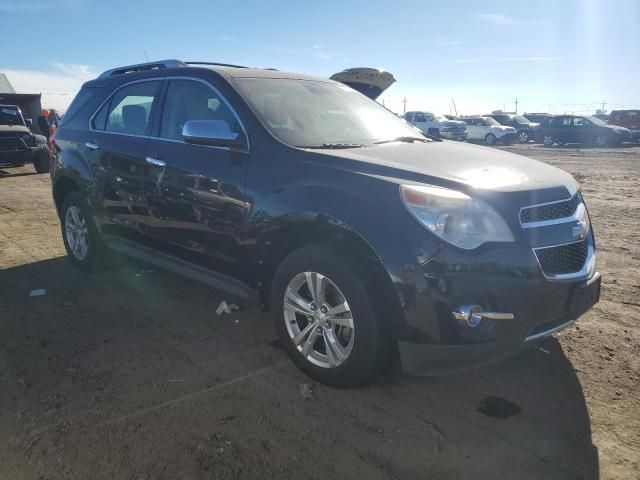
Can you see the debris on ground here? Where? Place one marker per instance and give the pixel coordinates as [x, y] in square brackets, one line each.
[38, 292]
[306, 390]
[225, 307]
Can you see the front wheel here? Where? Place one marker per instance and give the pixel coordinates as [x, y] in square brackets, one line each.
[523, 137]
[490, 139]
[601, 141]
[326, 317]
[42, 161]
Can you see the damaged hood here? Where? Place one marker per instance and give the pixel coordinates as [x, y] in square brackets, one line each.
[368, 81]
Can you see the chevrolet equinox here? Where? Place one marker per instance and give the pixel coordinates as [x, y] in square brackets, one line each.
[371, 244]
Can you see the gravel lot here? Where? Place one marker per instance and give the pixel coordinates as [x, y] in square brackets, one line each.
[129, 374]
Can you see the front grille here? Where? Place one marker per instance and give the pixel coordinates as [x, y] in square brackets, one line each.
[12, 144]
[552, 211]
[563, 259]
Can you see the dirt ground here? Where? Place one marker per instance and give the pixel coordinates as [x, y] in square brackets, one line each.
[129, 374]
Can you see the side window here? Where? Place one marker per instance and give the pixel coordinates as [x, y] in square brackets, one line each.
[632, 116]
[615, 116]
[129, 109]
[419, 117]
[191, 100]
[429, 117]
[565, 121]
[579, 122]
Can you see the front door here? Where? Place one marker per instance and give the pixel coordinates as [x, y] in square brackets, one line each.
[195, 193]
[117, 146]
[583, 131]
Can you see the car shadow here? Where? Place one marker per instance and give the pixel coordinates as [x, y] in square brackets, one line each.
[100, 359]
[7, 174]
[580, 146]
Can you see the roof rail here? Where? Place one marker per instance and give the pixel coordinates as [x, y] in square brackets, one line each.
[141, 67]
[216, 64]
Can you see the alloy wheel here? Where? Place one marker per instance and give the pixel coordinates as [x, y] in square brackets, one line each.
[523, 137]
[319, 320]
[77, 233]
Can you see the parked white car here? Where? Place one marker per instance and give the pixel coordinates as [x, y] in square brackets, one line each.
[438, 125]
[489, 131]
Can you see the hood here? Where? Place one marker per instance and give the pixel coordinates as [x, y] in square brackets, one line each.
[368, 81]
[471, 167]
[8, 130]
[454, 123]
[617, 129]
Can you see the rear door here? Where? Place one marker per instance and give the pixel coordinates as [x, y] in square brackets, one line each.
[195, 193]
[117, 144]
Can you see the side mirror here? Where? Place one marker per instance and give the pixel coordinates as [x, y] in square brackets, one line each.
[29, 123]
[211, 132]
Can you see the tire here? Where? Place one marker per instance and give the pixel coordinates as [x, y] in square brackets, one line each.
[89, 255]
[362, 354]
[523, 137]
[601, 141]
[42, 161]
[547, 140]
[490, 138]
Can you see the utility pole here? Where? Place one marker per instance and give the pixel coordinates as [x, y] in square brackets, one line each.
[404, 102]
[454, 106]
[603, 104]
[516, 105]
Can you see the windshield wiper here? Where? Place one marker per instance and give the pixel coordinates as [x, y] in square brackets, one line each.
[333, 145]
[404, 139]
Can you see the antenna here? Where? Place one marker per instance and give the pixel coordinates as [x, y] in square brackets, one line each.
[405, 105]
[454, 106]
[145, 55]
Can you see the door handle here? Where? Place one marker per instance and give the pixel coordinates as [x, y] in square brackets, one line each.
[156, 162]
[92, 146]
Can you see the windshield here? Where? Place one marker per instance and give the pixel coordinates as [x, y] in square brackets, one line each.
[10, 116]
[596, 121]
[314, 113]
[521, 120]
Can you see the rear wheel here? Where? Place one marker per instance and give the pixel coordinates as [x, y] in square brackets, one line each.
[326, 317]
[42, 161]
[80, 235]
[490, 139]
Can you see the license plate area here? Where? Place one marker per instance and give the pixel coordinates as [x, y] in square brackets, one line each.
[584, 296]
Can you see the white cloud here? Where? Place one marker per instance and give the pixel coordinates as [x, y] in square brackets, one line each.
[322, 54]
[497, 19]
[58, 85]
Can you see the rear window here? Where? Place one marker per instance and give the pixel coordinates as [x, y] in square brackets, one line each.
[84, 95]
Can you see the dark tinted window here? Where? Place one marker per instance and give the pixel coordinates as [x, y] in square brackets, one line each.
[129, 109]
[191, 100]
[418, 117]
[81, 99]
[580, 122]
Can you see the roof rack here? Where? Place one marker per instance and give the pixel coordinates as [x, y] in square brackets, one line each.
[143, 67]
[216, 64]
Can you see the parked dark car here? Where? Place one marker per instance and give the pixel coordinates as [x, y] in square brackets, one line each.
[629, 119]
[581, 129]
[525, 128]
[18, 144]
[538, 118]
[371, 245]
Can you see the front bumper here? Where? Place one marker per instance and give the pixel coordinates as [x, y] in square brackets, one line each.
[459, 136]
[420, 359]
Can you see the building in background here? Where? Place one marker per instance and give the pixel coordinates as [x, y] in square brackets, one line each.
[29, 103]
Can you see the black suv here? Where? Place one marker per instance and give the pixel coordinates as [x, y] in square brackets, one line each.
[371, 245]
[18, 144]
[524, 127]
[583, 129]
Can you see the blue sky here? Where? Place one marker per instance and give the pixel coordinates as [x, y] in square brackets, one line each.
[564, 55]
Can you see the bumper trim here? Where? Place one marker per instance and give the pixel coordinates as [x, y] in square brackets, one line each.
[551, 331]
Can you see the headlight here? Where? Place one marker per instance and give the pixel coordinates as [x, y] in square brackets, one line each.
[454, 216]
